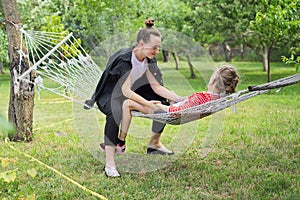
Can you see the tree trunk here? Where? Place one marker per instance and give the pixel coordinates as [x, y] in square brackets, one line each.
[176, 60]
[227, 51]
[266, 61]
[1, 68]
[193, 75]
[21, 102]
[166, 55]
[242, 52]
[269, 66]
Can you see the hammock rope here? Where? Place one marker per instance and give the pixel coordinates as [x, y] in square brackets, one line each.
[203, 110]
[200, 111]
[60, 58]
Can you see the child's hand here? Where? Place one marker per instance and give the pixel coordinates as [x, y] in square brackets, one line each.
[152, 105]
[180, 98]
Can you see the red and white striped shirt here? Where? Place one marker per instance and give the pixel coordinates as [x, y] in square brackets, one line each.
[195, 99]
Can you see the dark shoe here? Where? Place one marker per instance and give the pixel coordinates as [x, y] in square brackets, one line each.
[102, 147]
[160, 151]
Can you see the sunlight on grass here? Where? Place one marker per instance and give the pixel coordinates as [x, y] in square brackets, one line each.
[256, 155]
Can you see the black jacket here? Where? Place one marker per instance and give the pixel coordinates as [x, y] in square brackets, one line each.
[113, 77]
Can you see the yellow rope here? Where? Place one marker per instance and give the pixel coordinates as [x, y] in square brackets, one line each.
[56, 171]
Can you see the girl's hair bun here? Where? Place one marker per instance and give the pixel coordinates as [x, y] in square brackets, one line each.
[149, 22]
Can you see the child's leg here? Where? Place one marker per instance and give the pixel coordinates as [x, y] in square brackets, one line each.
[163, 107]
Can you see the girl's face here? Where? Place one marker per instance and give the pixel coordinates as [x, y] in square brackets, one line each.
[151, 48]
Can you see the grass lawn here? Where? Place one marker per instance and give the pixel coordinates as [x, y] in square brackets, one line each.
[255, 154]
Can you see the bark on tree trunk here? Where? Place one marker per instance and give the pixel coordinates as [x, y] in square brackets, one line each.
[265, 58]
[269, 67]
[193, 75]
[1, 68]
[176, 60]
[166, 55]
[266, 61]
[227, 51]
[21, 103]
[242, 51]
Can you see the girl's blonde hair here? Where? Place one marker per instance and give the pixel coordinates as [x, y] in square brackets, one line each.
[224, 80]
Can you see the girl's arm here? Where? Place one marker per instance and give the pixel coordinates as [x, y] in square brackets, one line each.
[161, 90]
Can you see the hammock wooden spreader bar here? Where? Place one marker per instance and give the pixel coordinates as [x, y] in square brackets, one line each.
[203, 110]
[277, 83]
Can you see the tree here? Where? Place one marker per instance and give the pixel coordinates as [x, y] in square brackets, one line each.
[276, 24]
[221, 22]
[21, 101]
[261, 25]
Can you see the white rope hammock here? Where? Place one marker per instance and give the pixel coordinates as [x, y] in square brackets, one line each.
[60, 58]
[203, 110]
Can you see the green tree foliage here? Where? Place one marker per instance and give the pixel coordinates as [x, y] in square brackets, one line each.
[54, 25]
[262, 25]
[227, 22]
[221, 23]
[34, 12]
[294, 58]
[276, 24]
[95, 20]
[3, 40]
[3, 49]
[222, 20]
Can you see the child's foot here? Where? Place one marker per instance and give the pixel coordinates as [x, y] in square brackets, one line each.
[119, 149]
[111, 172]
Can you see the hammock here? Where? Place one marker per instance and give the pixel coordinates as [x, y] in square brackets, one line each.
[60, 58]
[203, 110]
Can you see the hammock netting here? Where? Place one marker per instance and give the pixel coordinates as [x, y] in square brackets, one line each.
[59, 57]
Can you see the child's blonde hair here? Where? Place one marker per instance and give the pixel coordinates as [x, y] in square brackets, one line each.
[224, 80]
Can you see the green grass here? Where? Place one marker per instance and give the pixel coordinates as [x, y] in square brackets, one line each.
[256, 156]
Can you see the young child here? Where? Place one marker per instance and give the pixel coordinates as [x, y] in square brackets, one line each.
[223, 81]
